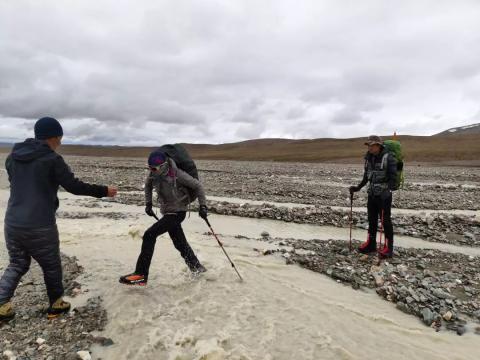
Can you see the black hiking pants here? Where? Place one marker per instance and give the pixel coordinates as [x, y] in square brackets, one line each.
[41, 244]
[376, 205]
[171, 223]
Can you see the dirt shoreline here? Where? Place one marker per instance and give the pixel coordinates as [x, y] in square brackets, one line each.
[31, 336]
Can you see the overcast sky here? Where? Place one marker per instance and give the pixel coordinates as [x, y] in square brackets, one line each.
[150, 72]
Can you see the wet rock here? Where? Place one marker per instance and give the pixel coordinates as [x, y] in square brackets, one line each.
[461, 329]
[103, 341]
[427, 316]
[442, 294]
[265, 234]
[403, 307]
[379, 280]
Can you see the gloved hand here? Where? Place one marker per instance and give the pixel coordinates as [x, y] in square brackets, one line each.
[149, 209]
[203, 212]
[353, 189]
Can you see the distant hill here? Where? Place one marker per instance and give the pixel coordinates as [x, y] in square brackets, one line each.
[5, 145]
[451, 149]
[462, 130]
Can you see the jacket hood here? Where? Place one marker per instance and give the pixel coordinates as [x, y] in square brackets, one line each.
[30, 150]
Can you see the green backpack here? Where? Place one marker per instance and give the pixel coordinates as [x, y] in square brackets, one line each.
[395, 148]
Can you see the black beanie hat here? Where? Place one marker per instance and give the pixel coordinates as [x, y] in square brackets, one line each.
[47, 127]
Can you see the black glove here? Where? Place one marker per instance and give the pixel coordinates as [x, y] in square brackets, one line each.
[203, 212]
[353, 189]
[149, 209]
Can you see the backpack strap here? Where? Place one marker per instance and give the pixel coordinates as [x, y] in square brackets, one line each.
[384, 161]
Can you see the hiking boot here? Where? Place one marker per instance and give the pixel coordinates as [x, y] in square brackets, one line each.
[133, 279]
[199, 269]
[368, 247]
[58, 308]
[385, 253]
[6, 312]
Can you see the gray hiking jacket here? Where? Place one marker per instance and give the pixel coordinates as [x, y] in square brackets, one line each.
[173, 189]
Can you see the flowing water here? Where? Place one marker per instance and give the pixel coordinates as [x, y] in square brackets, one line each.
[346, 207]
[278, 312]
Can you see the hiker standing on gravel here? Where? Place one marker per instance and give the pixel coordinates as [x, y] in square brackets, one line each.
[176, 189]
[35, 172]
[380, 174]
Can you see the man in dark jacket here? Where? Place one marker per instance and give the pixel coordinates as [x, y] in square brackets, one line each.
[35, 172]
[380, 173]
[173, 187]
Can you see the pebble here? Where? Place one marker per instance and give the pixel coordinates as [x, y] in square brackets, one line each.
[461, 330]
[448, 316]
[84, 355]
[9, 354]
[379, 280]
[76, 291]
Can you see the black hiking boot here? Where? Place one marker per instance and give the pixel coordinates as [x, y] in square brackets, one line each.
[199, 269]
[133, 279]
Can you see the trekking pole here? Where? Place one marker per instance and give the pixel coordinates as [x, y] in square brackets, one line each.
[221, 245]
[351, 219]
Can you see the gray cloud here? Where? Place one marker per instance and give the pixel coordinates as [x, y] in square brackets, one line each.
[220, 72]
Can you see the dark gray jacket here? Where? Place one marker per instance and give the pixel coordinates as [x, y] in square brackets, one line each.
[380, 173]
[172, 189]
[35, 173]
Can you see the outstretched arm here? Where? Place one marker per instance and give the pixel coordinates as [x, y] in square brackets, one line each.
[65, 177]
